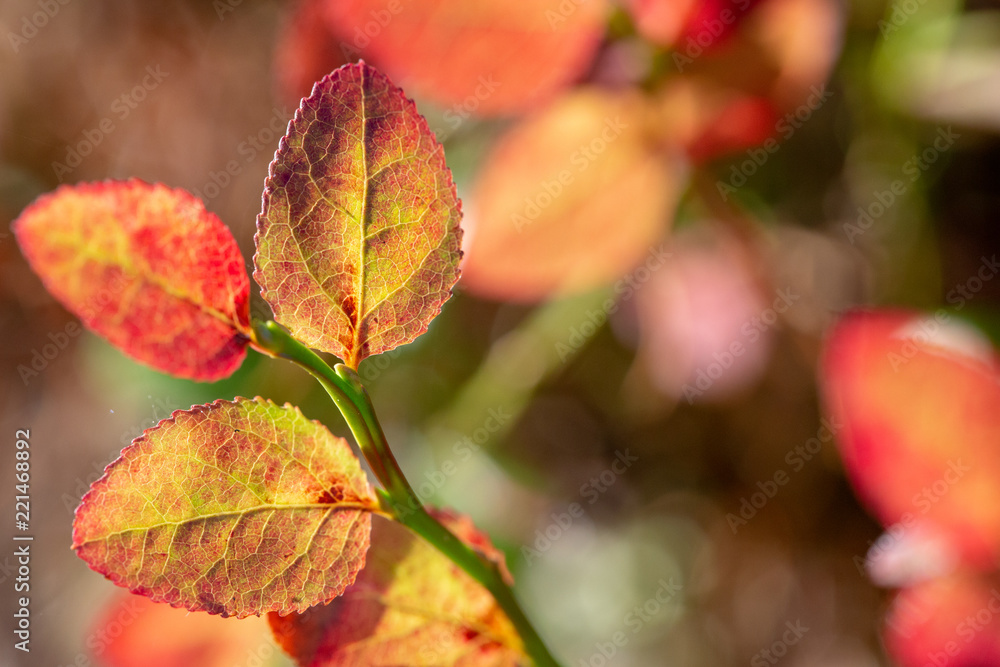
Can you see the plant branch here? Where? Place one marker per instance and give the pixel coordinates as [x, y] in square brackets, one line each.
[349, 395]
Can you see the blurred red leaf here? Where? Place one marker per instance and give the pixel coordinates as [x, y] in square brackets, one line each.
[660, 21]
[570, 199]
[474, 56]
[410, 605]
[742, 122]
[765, 80]
[711, 21]
[917, 402]
[134, 631]
[946, 622]
[306, 50]
[147, 268]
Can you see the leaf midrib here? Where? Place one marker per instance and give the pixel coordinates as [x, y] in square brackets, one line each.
[88, 252]
[232, 513]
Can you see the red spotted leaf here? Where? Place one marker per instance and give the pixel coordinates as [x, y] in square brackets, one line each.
[147, 268]
[409, 606]
[234, 508]
[915, 403]
[358, 241]
[570, 199]
[476, 57]
[134, 631]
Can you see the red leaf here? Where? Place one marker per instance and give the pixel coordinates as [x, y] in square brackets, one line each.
[134, 631]
[948, 622]
[147, 268]
[916, 407]
[660, 21]
[478, 57]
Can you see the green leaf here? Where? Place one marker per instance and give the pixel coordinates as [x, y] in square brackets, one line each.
[358, 240]
[234, 508]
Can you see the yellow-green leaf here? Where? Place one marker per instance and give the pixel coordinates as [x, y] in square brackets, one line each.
[358, 240]
[234, 508]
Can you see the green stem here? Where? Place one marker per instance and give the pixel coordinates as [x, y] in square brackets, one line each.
[349, 395]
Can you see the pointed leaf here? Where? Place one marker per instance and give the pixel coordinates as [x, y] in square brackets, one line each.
[234, 508]
[147, 268]
[358, 241]
[915, 405]
[409, 606]
[485, 58]
[569, 200]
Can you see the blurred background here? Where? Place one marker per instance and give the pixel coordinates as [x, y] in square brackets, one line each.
[667, 206]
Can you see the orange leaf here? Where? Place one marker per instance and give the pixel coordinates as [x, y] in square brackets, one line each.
[409, 606]
[358, 241]
[916, 405]
[134, 631]
[569, 200]
[232, 508]
[147, 268]
[475, 56]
